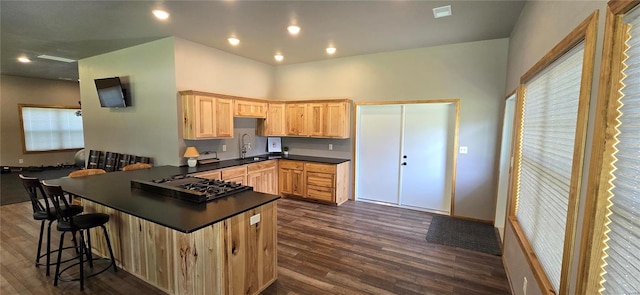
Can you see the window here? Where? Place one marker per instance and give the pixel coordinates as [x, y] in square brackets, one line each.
[551, 128]
[50, 128]
[611, 247]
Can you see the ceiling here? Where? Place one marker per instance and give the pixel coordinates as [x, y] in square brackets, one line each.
[80, 29]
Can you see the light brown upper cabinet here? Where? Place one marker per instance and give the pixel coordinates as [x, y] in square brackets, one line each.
[274, 124]
[249, 108]
[329, 119]
[206, 116]
[296, 119]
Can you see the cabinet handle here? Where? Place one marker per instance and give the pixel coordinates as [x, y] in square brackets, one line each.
[404, 163]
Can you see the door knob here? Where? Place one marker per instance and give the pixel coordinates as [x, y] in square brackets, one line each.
[404, 163]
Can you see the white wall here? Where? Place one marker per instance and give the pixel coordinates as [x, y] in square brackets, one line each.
[150, 126]
[542, 24]
[15, 90]
[203, 68]
[473, 72]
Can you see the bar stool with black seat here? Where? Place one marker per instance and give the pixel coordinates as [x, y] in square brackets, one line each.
[81, 224]
[43, 213]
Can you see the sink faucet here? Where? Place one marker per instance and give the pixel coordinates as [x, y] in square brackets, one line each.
[244, 146]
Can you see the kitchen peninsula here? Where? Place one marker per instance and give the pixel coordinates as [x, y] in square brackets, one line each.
[225, 246]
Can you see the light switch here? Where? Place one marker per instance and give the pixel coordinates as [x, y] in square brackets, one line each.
[463, 149]
[254, 219]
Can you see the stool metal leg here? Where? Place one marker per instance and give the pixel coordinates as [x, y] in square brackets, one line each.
[49, 246]
[40, 243]
[82, 245]
[88, 250]
[106, 236]
[55, 280]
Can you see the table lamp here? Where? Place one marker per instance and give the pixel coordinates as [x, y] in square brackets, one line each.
[192, 154]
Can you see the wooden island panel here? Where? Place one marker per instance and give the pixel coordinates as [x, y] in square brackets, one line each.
[228, 257]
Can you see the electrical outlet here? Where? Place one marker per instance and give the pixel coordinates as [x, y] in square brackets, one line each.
[330, 147]
[224, 147]
[463, 150]
[248, 146]
[254, 219]
[524, 286]
[21, 161]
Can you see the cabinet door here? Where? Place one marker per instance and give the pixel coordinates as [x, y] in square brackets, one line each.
[250, 109]
[316, 119]
[284, 181]
[270, 181]
[297, 183]
[337, 119]
[276, 119]
[205, 113]
[224, 117]
[256, 180]
[296, 119]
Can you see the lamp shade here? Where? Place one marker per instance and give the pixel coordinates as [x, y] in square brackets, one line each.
[191, 152]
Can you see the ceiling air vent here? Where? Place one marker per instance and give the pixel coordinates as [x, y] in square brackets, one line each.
[443, 11]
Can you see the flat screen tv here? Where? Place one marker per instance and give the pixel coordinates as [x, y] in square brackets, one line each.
[111, 93]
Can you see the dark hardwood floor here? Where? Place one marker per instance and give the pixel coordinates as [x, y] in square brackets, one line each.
[357, 248]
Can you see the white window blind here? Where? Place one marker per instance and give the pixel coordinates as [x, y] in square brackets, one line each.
[48, 129]
[623, 253]
[548, 133]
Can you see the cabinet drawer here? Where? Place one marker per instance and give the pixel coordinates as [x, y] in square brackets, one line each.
[295, 165]
[234, 172]
[320, 193]
[321, 179]
[323, 168]
[208, 175]
[261, 166]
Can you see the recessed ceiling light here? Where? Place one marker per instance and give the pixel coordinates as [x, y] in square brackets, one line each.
[234, 41]
[24, 59]
[331, 50]
[56, 58]
[293, 30]
[278, 57]
[442, 11]
[160, 14]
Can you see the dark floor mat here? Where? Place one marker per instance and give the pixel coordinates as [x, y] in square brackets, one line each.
[466, 234]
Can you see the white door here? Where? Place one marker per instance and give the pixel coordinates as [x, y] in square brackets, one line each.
[505, 165]
[377, 151]
[424, 133]
[426, 146]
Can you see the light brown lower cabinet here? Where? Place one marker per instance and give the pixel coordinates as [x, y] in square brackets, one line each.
[231, 256]
[262, 176]
[235, 174]
[326, 183]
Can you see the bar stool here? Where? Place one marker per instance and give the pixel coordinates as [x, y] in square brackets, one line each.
[79, 223]
[43, 213]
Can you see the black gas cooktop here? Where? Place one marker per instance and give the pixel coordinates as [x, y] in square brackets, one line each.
[190, 188]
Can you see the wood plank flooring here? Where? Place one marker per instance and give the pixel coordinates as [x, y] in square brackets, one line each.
[356, 248]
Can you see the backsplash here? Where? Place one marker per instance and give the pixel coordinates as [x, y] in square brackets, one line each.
[318, 147]
[209, 148]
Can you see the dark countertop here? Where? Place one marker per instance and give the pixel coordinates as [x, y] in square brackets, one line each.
[261, 158]
[114, 191]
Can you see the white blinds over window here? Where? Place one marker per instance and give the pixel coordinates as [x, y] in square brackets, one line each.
[51, 129]
[623, 262]
[548, 133]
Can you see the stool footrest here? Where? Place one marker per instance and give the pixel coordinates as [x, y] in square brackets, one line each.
[93, 273]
